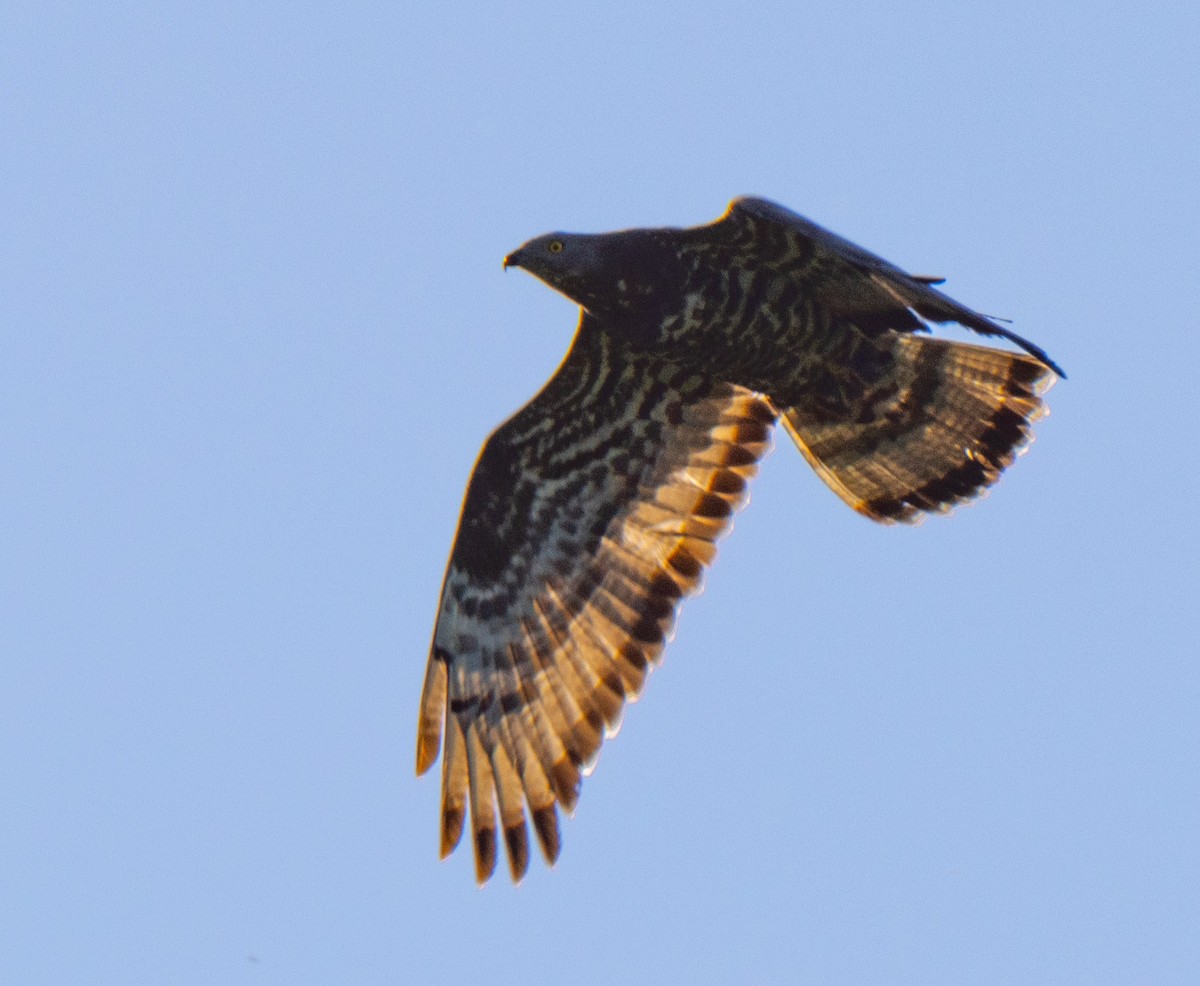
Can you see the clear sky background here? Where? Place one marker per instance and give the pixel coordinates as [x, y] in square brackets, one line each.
[253, 331]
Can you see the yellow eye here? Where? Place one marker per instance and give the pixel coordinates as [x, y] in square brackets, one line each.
[555, 246]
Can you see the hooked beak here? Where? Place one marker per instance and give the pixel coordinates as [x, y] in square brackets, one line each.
[514, 259]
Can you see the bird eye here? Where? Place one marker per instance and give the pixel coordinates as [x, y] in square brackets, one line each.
[555, 246]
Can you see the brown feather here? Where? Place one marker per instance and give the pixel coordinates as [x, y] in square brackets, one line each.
[483, 803]
[433, 711]
[454, 786]
[954, 416]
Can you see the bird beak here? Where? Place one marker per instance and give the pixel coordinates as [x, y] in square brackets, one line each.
[513, 259]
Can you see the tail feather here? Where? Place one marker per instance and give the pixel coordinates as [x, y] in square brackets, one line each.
[937, 431]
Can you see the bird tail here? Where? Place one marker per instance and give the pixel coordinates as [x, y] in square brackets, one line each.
[945, 421]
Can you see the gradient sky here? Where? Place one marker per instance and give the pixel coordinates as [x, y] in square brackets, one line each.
[253, 331]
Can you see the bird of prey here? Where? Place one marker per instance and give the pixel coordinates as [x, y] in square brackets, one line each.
[592, 512]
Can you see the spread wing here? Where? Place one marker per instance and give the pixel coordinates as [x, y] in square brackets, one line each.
[897, 423]
[590, 515]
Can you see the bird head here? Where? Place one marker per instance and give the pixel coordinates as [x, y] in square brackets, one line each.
[608, 274]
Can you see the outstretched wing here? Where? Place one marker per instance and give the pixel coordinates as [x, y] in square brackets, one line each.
[589, 516]
[936, 431]
[870, 291]
[899, 424]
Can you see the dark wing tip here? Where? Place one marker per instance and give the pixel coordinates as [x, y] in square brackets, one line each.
[545, 824]
[1039, 353]
[452, 829]
[1033, 349]
[485, 854]
[516, 841]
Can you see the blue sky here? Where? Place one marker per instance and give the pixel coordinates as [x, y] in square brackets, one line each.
[253, 331]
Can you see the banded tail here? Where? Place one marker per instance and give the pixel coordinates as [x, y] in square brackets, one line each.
[935, 432]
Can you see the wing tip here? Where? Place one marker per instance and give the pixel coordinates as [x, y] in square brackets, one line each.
[485, 854]
[452, 829]
[516, 844]
[432, 710]
[428, 748]
[545, 826]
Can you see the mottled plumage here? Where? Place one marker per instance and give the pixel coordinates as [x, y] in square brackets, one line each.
[592, 512]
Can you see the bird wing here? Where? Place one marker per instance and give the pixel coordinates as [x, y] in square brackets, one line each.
[590, 515]
[870, 291]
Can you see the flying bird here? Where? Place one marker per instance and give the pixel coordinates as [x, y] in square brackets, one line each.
[593, 511]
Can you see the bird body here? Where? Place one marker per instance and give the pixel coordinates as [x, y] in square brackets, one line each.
[593, 511]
